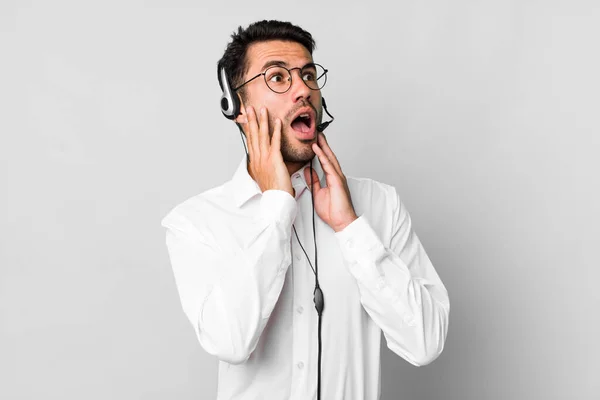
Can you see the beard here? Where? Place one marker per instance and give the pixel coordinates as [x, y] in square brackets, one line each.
[303, 152]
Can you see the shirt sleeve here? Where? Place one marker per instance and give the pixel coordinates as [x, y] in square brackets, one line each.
[229, 296]
[399, 287]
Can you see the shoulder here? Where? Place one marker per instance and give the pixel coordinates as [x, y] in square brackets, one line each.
[371, 190]
[185, 215]
[378, 202]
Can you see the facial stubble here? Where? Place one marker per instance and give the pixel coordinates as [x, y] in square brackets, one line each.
[295, 154]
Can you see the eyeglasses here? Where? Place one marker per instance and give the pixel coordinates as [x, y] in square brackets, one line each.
[279, 79]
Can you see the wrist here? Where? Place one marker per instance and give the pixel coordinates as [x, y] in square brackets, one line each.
[276, 186]
[343, 225]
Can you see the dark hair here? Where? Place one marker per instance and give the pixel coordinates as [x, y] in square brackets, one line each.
[234, 59]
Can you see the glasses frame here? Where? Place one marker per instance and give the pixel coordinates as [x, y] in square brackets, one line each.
[289, 70]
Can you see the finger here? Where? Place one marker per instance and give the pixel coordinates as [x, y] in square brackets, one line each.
[312, 179]
[251, 134]
[328, 168]
[263, 131]
[276, 139]
[330, 154]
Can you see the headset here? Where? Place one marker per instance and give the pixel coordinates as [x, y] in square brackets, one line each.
[230, 107]
[230, 101]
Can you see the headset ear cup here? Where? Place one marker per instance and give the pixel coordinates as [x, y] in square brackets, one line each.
[236, 109]
[230, 101]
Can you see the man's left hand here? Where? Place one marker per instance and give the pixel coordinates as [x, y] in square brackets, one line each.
[333, 203]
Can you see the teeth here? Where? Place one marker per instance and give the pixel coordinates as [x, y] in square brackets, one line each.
[304, 115]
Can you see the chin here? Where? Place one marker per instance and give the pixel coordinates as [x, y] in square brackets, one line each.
[298, 155]
[294, 149]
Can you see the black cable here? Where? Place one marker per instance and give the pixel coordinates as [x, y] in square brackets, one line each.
[318, 293]
[243, 142]
[302, 247]
[318, 299]
[319, 365]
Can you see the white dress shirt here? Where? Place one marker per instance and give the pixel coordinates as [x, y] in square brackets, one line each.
[247, 288]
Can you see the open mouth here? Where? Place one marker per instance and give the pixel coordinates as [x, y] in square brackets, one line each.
[303, 124]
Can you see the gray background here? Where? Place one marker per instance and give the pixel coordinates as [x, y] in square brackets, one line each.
[484, 115]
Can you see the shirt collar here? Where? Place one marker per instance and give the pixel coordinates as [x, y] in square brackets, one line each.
[244, 188]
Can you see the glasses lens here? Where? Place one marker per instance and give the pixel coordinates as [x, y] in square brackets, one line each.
[278, 79]
[314, 76]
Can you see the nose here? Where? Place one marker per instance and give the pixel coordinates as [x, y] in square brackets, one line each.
[299, 90]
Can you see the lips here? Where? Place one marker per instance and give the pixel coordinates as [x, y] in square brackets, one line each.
[303, 123]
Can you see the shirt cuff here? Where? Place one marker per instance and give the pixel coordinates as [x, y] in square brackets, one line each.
[278, 206]
[361, 245]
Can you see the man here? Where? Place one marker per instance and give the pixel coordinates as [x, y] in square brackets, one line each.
[245, 258]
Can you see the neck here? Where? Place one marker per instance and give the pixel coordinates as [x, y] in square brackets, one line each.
[293, 167]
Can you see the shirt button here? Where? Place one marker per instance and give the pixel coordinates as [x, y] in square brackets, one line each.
[409, 321]
[298, 257]
[349, 243]
[300, 309]
[300, 365]
[380, 283]
[296, 176]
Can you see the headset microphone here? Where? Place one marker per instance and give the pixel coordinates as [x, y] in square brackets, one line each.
[321, 127]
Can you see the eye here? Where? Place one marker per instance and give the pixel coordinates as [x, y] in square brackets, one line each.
[276, 77]
[309, 76]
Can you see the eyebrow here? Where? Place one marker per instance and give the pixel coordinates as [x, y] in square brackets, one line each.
[282, 64]
[273, 62]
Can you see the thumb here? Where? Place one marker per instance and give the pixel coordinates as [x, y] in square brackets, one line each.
[311, 176]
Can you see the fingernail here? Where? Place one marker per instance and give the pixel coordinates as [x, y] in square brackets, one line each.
[262, 111]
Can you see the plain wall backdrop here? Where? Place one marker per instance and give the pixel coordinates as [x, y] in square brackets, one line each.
[483, 114]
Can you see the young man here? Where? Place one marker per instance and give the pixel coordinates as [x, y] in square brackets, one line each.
[245, 256]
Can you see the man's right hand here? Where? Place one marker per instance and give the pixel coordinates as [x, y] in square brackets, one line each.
[266, 162]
